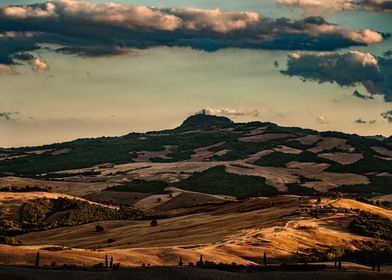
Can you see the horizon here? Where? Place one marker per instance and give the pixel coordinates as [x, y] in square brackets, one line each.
[201, 112]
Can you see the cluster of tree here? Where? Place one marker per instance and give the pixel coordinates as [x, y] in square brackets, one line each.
[217, 181]
[371, 202]
[374, 253]
[34, 214]
[9, 240]
[372, 225]
[140, 186]
[25, 189]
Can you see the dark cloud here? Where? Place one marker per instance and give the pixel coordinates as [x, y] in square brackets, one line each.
[8, 115]
[360, 121]
[356, 93]
[387, 115]
[102, 29]
[345, 69]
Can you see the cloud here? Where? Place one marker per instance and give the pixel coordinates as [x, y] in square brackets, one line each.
[39, 65]
[387, 115]
[360, 121]
[6, 69]
[227, 112]
[321, 119]
[356, 93]
[345, 69]
[90, 28]
[8, 115]
[319, 6]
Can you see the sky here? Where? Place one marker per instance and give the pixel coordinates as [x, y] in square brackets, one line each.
[73, 69]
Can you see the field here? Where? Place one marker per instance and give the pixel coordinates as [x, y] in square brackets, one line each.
[22, 273]
[227, 192]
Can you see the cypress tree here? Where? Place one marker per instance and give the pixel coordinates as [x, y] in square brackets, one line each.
[37, 259]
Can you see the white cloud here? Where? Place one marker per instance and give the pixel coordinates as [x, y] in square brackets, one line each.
[321, 119]
[319, 7]
[6, 69]
[39, 65]
[227, 112]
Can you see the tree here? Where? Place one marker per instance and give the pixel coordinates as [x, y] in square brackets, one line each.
[200, 262]
[265, 259]
[37, 257]
[180, 263]
[111, 262]
[154, 223]
[337, 195]
[336, 253]
[106, 261]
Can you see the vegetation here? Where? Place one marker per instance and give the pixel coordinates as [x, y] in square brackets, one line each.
[366, 252]
[9, 240]
[204, 120]
[99, 228]
[35, 214]
[369, 163]
[25, 189]
[279, 159]
[140, 186]
[217, 181]
[372, 225]
[37, 259]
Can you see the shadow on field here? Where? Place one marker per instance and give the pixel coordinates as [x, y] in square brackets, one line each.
[173, 273]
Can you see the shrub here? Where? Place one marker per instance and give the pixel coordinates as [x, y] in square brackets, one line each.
[9, 240]
[99, 228]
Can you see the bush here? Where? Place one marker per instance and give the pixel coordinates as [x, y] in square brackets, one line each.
[99, 228]
[154, 223]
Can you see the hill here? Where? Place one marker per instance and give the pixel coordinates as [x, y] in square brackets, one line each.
[228, 191]
[284, 159]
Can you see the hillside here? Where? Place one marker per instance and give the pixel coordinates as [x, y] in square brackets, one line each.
[228, 191]
[269, 158]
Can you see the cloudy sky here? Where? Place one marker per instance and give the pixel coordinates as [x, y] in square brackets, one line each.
[72, 69]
